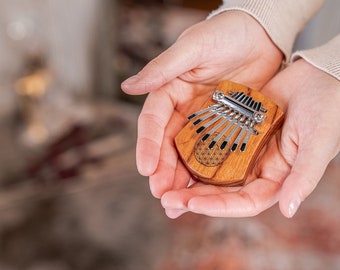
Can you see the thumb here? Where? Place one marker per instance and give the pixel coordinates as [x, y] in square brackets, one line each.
[308, 169]
[173, 62]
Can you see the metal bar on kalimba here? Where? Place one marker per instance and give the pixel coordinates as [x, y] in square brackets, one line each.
[236, 95]
[246, 139]
[248, 102]
[255, 105]
[235, 104]
[204, 110]
[259, 105]
[232, 132]
[240, 96]
[219, 136]
[244, 127]
[252, 104]
[206, 116]
[239, 110]
[213, 121]
[245, 101]
[237, 141]
[242, 99]
[215, 128]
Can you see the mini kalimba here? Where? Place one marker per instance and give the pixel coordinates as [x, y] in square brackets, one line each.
[221, 142]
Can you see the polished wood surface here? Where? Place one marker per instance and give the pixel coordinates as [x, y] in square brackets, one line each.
[237, 164]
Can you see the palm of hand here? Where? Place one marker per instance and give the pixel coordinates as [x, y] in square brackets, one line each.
[180, 193]
[291, 165]
[158, 158]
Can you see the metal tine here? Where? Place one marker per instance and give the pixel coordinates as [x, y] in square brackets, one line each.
[215, 106]
[240, 136]
[246, 100]
[236, 95]
[254, 106]
[219, 136]
[238, 139]
[227, 119]
[246, 139]
[259, 105]
[262, 109]
[241, 97]
[233, 121]
[205, 117]
[227, 139]
[249, 102]
[212, 121]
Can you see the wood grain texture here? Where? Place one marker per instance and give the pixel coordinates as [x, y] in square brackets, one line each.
[236, 165]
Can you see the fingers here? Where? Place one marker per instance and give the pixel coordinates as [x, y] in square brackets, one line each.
[240, 201]
[162, 179]
[170, 172]
[178, 199]
[174, 213]
[214, 201]
[175, 202]
[152, 121]
[173, 62]
[308, 168]
[156, 154]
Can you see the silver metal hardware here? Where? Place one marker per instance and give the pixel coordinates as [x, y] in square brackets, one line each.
[230, 122]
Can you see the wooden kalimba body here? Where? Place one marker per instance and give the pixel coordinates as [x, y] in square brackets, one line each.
[221, 142]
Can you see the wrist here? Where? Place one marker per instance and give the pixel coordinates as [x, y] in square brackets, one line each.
[325, 57]
[308, 71]
[254, 35]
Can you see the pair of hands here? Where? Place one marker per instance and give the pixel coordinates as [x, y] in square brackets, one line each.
[233, 46]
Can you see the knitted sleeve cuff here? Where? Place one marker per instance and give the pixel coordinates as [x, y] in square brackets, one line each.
[325, 57]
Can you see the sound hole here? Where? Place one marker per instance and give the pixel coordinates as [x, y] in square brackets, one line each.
[207, 156]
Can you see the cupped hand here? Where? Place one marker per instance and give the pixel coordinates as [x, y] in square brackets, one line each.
[229, 46]
[294, 161]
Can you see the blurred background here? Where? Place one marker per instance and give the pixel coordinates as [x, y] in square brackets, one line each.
[70, 195]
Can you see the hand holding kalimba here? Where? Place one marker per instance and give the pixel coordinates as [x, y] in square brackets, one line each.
[234, 46]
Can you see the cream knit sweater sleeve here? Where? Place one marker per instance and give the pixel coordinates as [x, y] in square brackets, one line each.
[282, 19]
[325, 57]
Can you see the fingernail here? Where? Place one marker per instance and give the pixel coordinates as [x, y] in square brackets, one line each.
[131, 80]
[293, 207]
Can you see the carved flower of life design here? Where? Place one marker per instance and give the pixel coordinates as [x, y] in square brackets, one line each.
[210, 156]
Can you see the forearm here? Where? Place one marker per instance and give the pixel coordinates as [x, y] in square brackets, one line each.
[282, 19]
